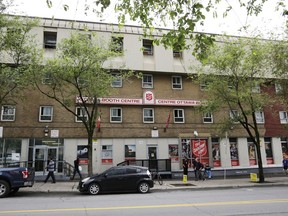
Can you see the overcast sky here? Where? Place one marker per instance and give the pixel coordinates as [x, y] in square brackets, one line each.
[269, 20]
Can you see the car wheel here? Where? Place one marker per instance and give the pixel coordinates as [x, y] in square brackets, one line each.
[4, 188]
[94, 189]
[143, 187]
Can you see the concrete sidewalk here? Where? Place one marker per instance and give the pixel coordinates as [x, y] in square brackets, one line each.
[71, 186]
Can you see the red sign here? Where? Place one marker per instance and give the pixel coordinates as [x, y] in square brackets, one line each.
[199, 148]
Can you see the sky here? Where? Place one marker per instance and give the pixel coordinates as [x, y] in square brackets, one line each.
[268, 21]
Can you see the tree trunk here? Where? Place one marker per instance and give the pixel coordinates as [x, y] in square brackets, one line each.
[90, 154]
[260, 164]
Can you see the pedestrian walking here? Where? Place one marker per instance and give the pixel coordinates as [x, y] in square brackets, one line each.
[50, 168]
[76, 168]
[285, 164]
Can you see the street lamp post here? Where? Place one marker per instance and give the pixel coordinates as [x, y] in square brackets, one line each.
[197, 135]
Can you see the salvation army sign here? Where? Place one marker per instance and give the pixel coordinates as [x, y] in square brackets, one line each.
[199, 148]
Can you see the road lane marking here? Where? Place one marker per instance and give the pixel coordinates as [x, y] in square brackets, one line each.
[243, 202]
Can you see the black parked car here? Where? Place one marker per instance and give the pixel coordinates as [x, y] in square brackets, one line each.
[118, 178]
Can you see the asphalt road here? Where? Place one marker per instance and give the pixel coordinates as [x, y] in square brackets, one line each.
[237, 202]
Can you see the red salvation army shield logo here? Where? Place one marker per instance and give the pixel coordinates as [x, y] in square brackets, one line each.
[149, 96]
[199, 148]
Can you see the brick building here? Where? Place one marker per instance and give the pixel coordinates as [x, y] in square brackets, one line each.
[150, 118]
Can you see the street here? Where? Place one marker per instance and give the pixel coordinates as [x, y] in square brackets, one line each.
[211, 202]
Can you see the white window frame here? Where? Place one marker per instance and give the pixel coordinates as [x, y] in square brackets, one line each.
[176, 82]
[256, 88]
[118, 43]
[107, 152]
[147, 47]
[232, 115]
[259, 115]
[178, 115]
[177, 54]
[81, 113]
[8, 113]
[116, 115]
[147, 83]
[45, 113]
[207, 117]
[278, 88]
[283, 117]
[117, 82]
[148, 115]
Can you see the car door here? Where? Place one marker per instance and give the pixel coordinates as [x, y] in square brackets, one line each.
[114, 179]
[133, 177]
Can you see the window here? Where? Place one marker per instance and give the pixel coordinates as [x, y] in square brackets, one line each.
[278, 88]
[117, 44]
[177, 54]
[117, 80]
[176, 82]
[268, 150]
[283, 117]
[47, 80]
[207, 118]
[234, 115]
[46, 113]
[8, 113]
[115, 114]
[130, 152]
[203, 85]
[256, 88]
[107, 154]
[81, 114]
[148, 115]
[259, 116]
[50, 39]
[147, 81]
[178, 116]
[147, 47]
[234, 152]
[82, 82]
[251, 152]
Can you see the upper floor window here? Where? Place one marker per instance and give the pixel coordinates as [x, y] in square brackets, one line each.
[81, 114]
[176, 82]
[203, 85]
[259, 116]
[283, 117]
[177, 54]
[147, 47]
[46, 113]
[50, 39]
[147, 81]
[278, 88]
[117, 44]
[117, 80]
[207, 117]
[256, 88]
[234, 115]
[116, 114]
[8, 113]
[178, 116]
[148, 115]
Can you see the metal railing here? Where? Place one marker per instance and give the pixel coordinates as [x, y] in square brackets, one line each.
[159, 165]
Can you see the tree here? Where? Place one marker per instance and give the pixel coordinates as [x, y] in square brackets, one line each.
[235, 71]
[17, 52]
[182, 15]
[77, 76]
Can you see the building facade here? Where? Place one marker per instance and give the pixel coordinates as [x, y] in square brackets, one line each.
[155, 117]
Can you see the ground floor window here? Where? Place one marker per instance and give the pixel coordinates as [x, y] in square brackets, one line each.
[251, 152]
[216, 152]
[107, 154]
[268, 150]
[284, 145]
[10, 150]
[234, 151]
[130, 152]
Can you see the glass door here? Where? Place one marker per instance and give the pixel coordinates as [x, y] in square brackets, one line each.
[152, 156]
[41, 156]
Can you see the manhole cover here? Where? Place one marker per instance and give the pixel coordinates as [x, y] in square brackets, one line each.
[182, 185]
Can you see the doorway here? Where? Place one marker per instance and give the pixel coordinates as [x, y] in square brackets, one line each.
[152, 156]
[41, 156]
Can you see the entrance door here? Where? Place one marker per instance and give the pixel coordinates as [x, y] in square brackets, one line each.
[152, 156]
[41, 156]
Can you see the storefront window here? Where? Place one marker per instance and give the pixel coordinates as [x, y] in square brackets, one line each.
[173, 153]
[130, 152]
[268, 150]
[107, 154]
[251, 152]
[10, 150]
[284, 145]
[216, 152]
[234, 152]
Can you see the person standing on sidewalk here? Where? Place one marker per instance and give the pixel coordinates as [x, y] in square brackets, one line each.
[198, 170]
[76, 168]
[185, 169]
[50, 168]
